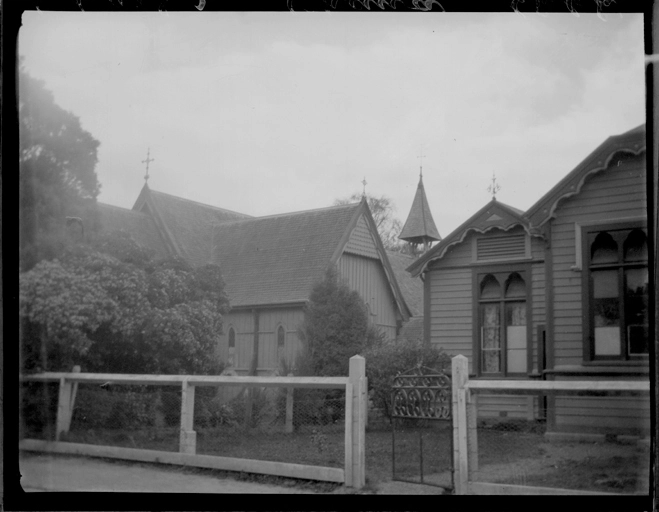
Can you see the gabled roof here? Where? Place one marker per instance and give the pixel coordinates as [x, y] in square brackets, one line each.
[412, 287]
[186, 225]
[419, 226]
[494, 215]
[140, 226]
[632, 141]
[276, 260]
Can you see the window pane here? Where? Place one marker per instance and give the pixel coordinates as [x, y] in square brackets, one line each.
[491, 342]
[516, 337]
[636, 246]
[490, 288]
[638, 336]
[636, 309]
[607, 341]
[281, 337]
[515, 286]
[605, 283]
[604, 249]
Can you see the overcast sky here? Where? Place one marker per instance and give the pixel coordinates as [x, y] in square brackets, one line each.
[266, 113]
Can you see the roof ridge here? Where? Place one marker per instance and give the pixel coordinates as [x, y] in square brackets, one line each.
[99, 203]
[199, 203]
[291, 214]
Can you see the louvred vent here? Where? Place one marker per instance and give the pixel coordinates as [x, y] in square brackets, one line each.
[503, 247]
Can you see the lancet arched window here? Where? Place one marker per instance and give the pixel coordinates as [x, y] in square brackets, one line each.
[503, 328]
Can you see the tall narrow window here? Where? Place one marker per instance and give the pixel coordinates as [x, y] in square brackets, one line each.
[281, 342]
[503, 343]
[617, 282]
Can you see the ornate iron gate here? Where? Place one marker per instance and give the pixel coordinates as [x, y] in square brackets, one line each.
[421, 405]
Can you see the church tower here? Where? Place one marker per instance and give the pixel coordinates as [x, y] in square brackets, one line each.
[419, 227]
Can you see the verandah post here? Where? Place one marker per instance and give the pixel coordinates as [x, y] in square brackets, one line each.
[188, 437]
[460, 377]
[356, 463]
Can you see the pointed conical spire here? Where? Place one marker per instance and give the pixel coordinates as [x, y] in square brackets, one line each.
[420, 227]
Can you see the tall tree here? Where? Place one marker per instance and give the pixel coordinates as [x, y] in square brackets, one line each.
[384, 214]
[57, 177]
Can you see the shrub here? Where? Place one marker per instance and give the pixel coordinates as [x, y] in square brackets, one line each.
[386, 360]
[335, 328]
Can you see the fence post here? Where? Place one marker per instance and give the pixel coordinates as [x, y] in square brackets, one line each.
[460, 377]
[188, 437]
[289, 409]
[356, 474]
[65, 403]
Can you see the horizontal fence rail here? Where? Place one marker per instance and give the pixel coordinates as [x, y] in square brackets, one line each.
[564, 387]
[132, 398]
[193, 380]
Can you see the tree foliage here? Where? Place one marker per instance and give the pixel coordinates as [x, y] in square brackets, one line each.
[335, 327]
[109, 307]
[386, 360]
[384, 214]
[56, 171]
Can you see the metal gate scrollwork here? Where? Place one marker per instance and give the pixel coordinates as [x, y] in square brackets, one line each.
[423, 396]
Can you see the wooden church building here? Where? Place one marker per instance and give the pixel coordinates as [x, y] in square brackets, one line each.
[269, 265]
[557, 292]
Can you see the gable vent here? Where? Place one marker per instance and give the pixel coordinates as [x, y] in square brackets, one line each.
[501, 247]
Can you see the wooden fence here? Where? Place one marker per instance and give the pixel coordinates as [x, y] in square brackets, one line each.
[355, 386]
[465, 442]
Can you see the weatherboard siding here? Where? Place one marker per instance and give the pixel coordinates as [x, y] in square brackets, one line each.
[367, 277]
[451, 311]
[270, 356]
[605, 197]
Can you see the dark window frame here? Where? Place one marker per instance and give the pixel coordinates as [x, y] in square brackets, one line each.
[478, 274]
[589, 234]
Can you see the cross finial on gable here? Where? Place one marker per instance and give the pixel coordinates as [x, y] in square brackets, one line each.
[147, 161]
[494, 187]
[364, 183]
[421, 157]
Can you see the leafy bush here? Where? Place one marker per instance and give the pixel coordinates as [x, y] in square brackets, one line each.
[109, 308]
[386, 360]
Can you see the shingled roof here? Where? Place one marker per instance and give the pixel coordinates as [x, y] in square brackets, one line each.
[140, 226]
[419, 226]
[187, 225]
[277, 259]
[411, 287]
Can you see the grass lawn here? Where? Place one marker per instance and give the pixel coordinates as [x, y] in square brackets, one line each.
[506, 457]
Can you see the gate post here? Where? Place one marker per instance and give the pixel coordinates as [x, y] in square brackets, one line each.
[460, 377]
[188, 437]
[356, 462]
